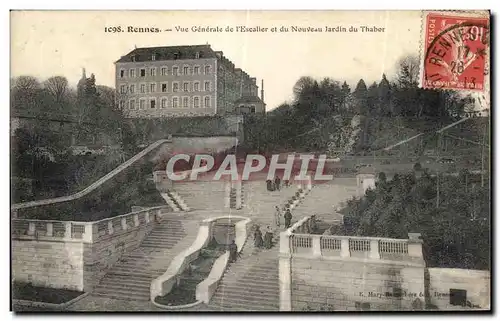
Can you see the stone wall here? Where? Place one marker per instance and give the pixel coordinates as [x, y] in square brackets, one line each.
[476, 283]
[48, 263]
[100, 256]
[75, 255]
[347, 285]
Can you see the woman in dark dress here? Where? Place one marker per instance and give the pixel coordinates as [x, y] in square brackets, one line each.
[257, 237]
[268, 238]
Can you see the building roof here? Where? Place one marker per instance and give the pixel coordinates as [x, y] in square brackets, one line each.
[169, 53]
[248, 99]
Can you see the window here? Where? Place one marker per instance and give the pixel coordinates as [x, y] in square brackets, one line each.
[131, 73]
[164, 87]
[176, 56]
[196, 86]
[122, 73]
[143, 72]
[143, 88]
[458, 297]
[207, 101]
[133, 58]
[152, 88]
[123, 89]
[196, 102]
[142, 104]
[185, 86]
[185, 102]
[132, 104]
[175, 71]
[196, 70]
[197, 55]
[164, 103]
[132, 89]
[164, 71]
[122, 105]
[152, 72]
[207, 69]
[175, 102]
[185, 70]
[252, 109]
[152, 103]
[207, 85]
[153, 57]
[175, 87]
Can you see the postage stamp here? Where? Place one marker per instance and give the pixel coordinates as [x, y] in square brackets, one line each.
[455, 51]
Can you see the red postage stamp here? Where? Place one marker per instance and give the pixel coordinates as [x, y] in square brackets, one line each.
[456, 51]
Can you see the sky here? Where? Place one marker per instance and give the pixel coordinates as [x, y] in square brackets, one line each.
[49, 43]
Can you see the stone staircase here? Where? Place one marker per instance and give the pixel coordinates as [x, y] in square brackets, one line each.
[130, 278]
[202, 195]
[260, 203]
[324, 199]
[251, 283]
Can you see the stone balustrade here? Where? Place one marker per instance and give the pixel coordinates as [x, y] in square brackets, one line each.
[297, 241]
[87, 232]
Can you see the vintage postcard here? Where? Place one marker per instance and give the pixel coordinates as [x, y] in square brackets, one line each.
[250, 161]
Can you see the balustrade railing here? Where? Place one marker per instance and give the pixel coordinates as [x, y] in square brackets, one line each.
[83, 231]
[348, 246]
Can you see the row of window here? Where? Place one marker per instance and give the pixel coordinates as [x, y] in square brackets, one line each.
[176, 102]
[153, 88]
[164, 71]
[177, 55]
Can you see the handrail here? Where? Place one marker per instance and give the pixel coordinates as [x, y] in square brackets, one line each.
[91, 222]
[96, 184]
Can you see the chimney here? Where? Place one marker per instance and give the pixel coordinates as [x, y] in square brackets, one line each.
[262, 90]
[84, 76]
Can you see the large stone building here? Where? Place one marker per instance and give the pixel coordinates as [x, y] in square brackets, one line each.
[183, 81]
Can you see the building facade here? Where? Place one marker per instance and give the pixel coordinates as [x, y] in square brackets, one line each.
[180, 81]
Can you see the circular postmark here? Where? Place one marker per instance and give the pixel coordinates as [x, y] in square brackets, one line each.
[456, 58]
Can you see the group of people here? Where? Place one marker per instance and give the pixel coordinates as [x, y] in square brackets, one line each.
[275, 185]
[263, 242]
[287, 216]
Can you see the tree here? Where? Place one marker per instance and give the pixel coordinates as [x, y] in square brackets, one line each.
[408, 72]
[57, 87]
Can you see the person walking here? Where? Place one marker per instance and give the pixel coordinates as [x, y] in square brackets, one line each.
[268, 238]
[233, 251]
[288, 218]
[257, 237]
[277, 182]
[277, 217]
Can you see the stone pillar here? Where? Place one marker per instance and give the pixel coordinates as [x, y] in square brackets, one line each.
[67, 230]
[316, 245]
[227, 194]
[415, 245]
[147, 218]
[136, 220]
[238, 194]
[374, 253]
[88, 236]
[124, 223]
[50, 229]
[31, 228]
[111, 230]
[344, 248]
[285, 270]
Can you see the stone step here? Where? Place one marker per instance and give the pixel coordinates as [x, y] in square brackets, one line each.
[140, 272]
[237, 305]
[164, 237]
[255, 282]
[145, 267]
[249, 290]
[130, 279]
[127, 296]
[133, 291]
[141, 288]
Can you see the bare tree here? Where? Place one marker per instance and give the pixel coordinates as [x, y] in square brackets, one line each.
[408, 71]
[57, 87]
[25, 84]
